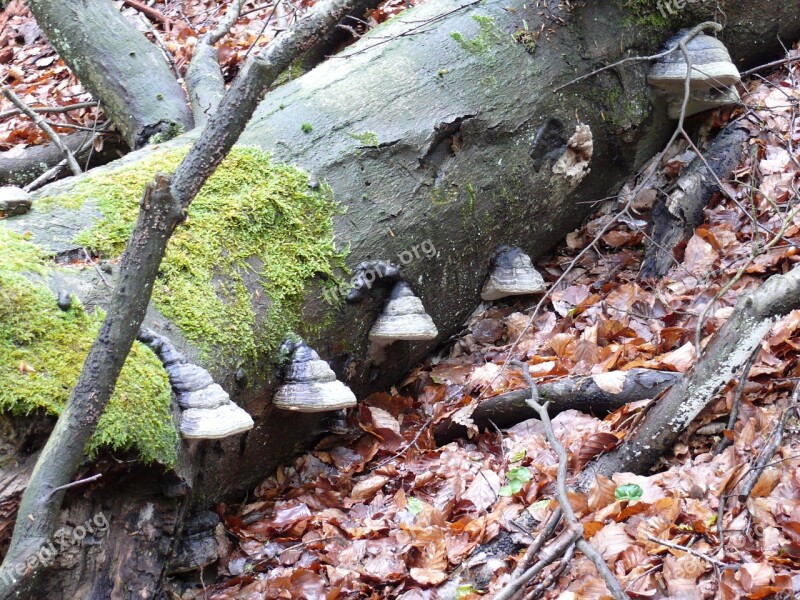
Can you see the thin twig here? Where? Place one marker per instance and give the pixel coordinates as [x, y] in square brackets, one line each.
[533, 550]
[94, 264]
[737, 399]
[410, 445]
[560, 547]
[76, 483]
[689, 36]
[769, 450]
[225, 23]
[693, 552]
[774, 63]
[50, 109]
[42, 124]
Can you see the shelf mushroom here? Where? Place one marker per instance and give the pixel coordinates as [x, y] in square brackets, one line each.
[403, 318]
[207, 410]
[512, 274]
[310, 385]
[712, 79]
[214, 423]
[14, 201]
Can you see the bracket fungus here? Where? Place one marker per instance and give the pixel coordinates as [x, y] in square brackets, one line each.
[712, 78]
[310, 385]
[512, 274]
[403, 318]
[208, 412]
[14, 201]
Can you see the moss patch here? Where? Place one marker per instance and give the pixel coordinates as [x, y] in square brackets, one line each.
[487, 36]
[255, 233]
[42, 350]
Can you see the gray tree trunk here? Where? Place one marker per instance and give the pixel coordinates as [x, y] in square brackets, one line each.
[118, 65]
[454, 120]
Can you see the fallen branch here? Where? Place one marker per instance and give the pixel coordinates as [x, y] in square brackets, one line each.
[42, 124]
[770, 448]
[578, 393]
[21, 166]
[148, 11]
[63, 453]
[729, 349]
[675, 218]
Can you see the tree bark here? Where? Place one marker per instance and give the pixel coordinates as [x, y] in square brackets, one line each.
[420, 184]
[454, 123]
[118, 65]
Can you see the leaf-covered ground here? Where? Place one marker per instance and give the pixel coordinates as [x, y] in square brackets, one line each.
[382, 512]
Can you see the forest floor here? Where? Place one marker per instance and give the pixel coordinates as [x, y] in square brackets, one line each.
[382, 511]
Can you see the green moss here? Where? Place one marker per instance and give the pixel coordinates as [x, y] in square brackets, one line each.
[526, 38]
[367, 138]
[646, 14]
[173, 130]
[306, 128]
[256, 235]
[295, 70]
[487, 36]
[42, 350]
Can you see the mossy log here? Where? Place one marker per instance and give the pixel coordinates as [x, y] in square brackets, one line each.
[419, 136]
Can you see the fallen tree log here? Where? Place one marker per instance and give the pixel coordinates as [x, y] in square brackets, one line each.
[118, 66]
[434, 155]
[576, 393]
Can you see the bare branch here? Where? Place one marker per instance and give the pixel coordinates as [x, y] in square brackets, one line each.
[42, 124]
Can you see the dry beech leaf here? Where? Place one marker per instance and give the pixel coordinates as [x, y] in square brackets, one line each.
[611, 540]
[611, 382]
[366, 488]
[602, 441]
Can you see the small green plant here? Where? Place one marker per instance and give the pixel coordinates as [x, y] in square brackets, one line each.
[415, 505]
[517, 478]
[466, 589]
[306, 128]
[630, 492]
[173, 130]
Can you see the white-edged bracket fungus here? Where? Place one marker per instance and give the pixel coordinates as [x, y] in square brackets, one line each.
[512, 274]
[14, 201]
[310, 385]
[214, 423]
[208, 411]
[403, 318]
[712, 79]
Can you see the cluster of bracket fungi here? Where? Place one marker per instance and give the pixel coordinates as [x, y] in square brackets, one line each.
[712, 79]
[308, 383]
